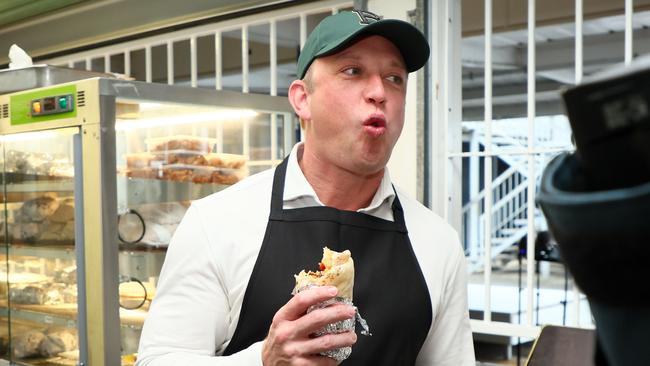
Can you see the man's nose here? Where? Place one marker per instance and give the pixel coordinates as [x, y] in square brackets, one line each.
[375, 91]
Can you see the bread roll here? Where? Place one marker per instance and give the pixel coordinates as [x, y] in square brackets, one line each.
[26, 344]
[39, 208]
[56, 342]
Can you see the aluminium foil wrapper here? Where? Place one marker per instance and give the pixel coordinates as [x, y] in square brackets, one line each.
[342, 326]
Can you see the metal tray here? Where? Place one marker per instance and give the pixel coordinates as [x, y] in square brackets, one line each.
[41, 75]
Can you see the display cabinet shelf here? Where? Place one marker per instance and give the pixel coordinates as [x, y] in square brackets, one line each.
[64, 315]
[43, 250]
[142, 191]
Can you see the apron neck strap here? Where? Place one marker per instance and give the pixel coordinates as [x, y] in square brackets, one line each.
[277, 195]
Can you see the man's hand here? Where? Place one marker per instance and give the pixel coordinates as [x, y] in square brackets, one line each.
[289, 341]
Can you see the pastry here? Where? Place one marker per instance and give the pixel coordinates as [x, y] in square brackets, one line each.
[180, 143]
[52, 232]
[188, 159]
[221, 178]
[65, 211]
[39, 208]
[26, 344]
[178, 175]
[56, 342]
[27, 232]
[226, 160]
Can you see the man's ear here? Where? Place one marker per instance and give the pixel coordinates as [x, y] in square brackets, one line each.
[298, 97]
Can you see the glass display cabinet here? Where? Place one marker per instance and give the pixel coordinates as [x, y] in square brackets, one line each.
[97, 175]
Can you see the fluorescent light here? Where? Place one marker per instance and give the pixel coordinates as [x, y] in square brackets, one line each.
[148, 106]
[125, 125]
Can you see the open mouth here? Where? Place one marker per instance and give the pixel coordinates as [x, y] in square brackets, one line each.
[375, 126]
[376, 122]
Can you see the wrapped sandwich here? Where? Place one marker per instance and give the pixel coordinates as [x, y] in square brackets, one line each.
[335, 269]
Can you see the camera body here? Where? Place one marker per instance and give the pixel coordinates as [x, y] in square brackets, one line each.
[610, 120]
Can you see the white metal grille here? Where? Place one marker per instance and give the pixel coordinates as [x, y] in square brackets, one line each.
[183, 53]
[504, 156]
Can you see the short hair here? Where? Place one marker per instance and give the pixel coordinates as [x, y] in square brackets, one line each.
[309, 86]
[308, 79]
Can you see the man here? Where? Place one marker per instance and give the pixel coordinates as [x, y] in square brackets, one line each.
[224, 291]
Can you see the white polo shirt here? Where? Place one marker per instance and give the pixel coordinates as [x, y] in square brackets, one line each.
[212, 254]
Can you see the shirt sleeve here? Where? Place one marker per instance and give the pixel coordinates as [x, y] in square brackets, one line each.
[189, 317]
[449, 342]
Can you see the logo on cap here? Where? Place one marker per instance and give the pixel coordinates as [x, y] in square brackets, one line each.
[365, 17]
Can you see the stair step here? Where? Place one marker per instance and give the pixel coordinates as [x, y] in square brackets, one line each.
[511, 231]
[520, 222]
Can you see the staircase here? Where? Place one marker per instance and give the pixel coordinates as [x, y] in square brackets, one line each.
[509, 195]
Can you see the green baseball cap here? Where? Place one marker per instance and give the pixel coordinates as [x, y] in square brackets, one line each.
[338, 31]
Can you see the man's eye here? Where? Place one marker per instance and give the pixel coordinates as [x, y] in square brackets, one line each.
[352, 71]
[395, 79]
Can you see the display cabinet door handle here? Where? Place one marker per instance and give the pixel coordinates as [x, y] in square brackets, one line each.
[144, 228]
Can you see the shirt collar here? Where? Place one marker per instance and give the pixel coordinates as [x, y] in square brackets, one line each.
[296, 185]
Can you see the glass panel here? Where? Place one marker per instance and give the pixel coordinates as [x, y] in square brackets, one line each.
[182, 62]
[231, 60]
[97, 64]
[280, 153]
[159, 64]
[79, 65]
[117, 63]
[138, 65]
[259, 59]
[260, 138]
[288, 47]
[641, 38]
[40, 277]
[167, 156]
[314, 19]
[205, 62]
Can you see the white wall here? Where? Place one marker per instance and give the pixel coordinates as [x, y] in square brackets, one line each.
[403, 162]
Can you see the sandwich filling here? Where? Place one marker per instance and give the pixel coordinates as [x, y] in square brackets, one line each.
[335, 269]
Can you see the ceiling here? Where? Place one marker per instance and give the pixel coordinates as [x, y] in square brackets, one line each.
[45, 27]
[16, 11]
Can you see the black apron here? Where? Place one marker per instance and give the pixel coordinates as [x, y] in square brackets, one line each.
[389, 290]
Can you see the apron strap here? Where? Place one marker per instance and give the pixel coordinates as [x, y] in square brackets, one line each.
[398, 214]
[277, 195]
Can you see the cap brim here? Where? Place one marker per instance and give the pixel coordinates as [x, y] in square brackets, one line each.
[408, 40]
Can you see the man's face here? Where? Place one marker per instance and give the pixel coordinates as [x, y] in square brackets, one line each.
[356, 105]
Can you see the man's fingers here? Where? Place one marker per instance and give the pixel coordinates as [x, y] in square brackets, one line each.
[298, 305]
[314, 361]
[319, 318]
[314, 346]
